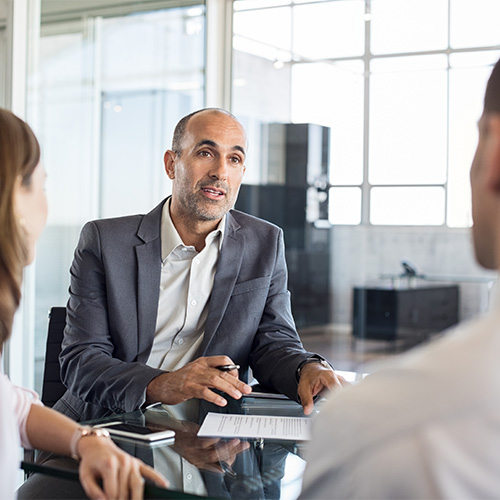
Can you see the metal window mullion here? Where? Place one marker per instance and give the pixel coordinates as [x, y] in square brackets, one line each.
[448, 107]
[93, 75]
[218, 53]
[22, 18]
[365, 187]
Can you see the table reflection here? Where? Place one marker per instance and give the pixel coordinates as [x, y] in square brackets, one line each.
[200, 467]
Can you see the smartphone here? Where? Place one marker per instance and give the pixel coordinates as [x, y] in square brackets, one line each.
[148, 433]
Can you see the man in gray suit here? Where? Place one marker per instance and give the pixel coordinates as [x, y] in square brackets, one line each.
[159, 302]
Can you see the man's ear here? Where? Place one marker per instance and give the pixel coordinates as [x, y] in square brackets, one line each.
[168, 159]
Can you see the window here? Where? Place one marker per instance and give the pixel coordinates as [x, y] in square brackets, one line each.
[398, 83]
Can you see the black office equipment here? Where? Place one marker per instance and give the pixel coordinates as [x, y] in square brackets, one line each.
[409, 313]
[297, 162]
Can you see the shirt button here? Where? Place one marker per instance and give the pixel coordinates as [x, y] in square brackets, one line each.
[189, 476]
[180, 341]
[193, 302]
[196, 261]
[184, 249]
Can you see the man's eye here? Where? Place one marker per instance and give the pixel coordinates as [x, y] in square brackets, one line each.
[236, 159]
[204, 153]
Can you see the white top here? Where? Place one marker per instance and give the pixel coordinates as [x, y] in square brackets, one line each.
[187, 279]
[426, 426]
[15, 405]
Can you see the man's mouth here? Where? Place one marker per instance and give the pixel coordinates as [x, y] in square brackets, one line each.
[213, 193]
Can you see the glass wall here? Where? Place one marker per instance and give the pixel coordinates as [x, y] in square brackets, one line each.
[109, 89]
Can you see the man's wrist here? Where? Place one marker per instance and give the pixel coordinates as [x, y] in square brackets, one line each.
[154, 390]
[313, 359]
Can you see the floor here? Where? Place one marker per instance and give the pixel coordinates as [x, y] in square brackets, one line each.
[345, 352]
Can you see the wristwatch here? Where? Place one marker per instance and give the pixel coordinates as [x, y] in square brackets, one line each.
[82, 432]
[312, 359]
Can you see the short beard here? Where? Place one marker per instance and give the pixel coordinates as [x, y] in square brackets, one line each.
[201, 210]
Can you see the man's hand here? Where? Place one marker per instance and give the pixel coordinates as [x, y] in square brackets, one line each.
[196, 380]
[206, 453]
[315, 378]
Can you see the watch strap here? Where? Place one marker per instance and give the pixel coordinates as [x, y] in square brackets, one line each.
[82, 432]
[313, 359]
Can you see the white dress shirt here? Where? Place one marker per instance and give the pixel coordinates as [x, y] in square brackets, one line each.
[181, 474]
[187, 278]
[426, 426]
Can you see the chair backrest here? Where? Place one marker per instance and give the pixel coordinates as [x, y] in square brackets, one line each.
[53, 388]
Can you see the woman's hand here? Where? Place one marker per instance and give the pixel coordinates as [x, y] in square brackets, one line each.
[106, 472]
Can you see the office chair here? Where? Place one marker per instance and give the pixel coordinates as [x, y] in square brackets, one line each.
[53, 388]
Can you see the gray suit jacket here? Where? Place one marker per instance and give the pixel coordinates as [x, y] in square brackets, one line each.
[112, 310]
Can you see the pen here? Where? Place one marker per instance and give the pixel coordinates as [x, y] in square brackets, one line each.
[227, 368]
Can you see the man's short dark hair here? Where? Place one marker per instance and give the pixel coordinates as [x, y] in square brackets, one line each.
[492, 95]
[180, 128]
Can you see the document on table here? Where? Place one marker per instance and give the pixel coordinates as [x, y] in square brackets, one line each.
[256, 426]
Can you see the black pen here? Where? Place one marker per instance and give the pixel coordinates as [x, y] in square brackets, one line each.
[227, 368]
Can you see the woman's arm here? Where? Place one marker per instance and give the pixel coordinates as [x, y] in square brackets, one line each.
[122, 475]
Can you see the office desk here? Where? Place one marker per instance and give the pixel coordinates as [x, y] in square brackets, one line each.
[197, 467]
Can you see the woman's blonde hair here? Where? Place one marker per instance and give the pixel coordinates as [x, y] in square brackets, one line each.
[19, 155]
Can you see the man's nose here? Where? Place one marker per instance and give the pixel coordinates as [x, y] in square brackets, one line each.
[219, 169]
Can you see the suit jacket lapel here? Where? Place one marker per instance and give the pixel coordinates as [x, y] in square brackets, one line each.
[228, 269]
[148, 279]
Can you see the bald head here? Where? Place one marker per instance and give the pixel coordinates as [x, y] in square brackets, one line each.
[180, 129]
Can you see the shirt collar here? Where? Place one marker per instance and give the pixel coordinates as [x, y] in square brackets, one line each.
[170, 238]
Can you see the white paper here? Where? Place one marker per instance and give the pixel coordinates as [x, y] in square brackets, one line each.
[256, 426]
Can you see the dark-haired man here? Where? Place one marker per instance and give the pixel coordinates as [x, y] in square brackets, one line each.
[428, 425]
[159, 302]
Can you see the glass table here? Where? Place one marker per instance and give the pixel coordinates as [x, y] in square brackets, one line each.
[195, 467]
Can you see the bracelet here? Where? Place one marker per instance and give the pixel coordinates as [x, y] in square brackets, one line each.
[82, 432]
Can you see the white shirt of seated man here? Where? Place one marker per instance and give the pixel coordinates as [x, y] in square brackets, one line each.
[187, 278]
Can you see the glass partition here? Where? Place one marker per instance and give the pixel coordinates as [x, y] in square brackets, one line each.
[109, 88]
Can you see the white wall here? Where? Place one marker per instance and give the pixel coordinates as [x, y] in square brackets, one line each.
[361, 254]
